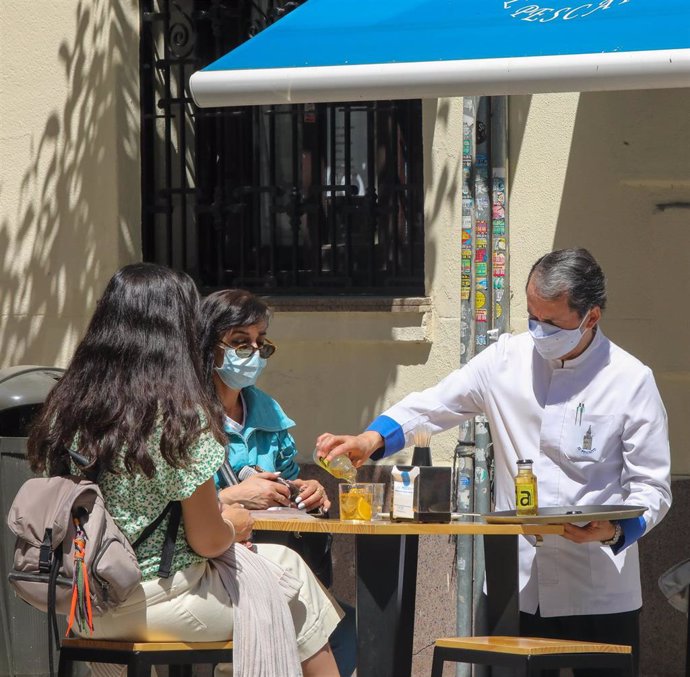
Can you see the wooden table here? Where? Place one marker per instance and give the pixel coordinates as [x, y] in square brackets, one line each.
[387, 578]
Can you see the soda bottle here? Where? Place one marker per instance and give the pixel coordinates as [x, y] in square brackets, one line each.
[340, 467]
[526, 501]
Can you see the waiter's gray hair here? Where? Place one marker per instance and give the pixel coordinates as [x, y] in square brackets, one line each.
[574, 272]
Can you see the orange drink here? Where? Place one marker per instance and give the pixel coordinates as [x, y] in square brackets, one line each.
[356, 502]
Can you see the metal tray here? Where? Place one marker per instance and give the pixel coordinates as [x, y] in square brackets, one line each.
[567, 514]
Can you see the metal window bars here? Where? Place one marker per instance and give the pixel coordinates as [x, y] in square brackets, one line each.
[285, 199]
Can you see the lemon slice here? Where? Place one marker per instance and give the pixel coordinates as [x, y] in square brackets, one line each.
[349, 502]
[363, 510]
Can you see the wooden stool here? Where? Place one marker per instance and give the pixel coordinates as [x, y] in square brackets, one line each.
[139, 657]
[532, 654]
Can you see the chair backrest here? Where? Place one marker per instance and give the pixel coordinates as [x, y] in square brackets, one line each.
[675, 585]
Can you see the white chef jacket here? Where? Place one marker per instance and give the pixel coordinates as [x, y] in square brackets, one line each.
[597, 432]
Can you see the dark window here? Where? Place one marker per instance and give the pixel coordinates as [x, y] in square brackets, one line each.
[289, 199]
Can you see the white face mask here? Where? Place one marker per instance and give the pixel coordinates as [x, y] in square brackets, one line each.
[240, 372]
[552, 342]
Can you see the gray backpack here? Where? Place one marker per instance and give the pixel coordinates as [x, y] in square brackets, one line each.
[70, 557]
[44, 517]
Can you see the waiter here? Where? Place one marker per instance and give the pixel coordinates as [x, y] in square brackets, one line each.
[590, 416]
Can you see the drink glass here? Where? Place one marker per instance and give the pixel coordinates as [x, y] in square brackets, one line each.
[356, 502]
[379, 510]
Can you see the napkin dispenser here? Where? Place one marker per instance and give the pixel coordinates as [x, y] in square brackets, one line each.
[420, 493]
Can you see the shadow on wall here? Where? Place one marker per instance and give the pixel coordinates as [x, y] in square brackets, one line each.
[629, 154]
[341, 385]
[519, 112]
[440, 187]
[71, 227]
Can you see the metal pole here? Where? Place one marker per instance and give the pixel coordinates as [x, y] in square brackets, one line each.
[499, 216]
[482, 504]
[464, 453]
[482, 217]
[484, 316]
[467, 247]
[482, 322]
[464, 549]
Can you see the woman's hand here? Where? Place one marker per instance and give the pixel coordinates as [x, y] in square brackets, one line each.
[257, 492]
[313, 495]
[358, 447]
[241, 519]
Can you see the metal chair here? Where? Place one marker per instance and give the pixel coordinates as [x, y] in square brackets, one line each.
[675, 586]
[139, 657]
[530, 654]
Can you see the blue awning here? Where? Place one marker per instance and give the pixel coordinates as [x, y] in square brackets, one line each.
[348, 50]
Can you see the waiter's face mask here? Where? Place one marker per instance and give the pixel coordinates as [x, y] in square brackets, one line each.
[553, 342]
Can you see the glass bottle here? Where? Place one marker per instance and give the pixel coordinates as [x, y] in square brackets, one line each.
[340, 467]
[526, 501]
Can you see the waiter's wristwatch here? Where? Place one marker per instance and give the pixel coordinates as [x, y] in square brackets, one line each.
[618, 532]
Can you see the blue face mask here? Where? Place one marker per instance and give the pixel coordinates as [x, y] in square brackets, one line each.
[552, 342]
[240, 372]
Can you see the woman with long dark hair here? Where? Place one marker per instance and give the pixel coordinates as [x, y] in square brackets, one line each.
[132, 402]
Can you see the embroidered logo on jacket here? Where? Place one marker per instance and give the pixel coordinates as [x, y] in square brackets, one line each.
[587, 447]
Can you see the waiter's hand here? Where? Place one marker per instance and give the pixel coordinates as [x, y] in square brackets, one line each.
[594, 531]
[358, 447]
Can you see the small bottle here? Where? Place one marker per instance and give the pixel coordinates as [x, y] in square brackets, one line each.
[526, 501]
[340, 467]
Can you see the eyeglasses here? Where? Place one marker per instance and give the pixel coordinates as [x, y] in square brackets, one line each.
[266, 349]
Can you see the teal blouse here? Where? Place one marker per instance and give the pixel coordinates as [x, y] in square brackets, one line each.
[264, 440]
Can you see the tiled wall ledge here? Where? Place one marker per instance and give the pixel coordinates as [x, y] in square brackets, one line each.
[351, 318]
[311, 304]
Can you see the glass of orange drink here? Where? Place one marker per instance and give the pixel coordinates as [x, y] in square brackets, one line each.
[356, 501]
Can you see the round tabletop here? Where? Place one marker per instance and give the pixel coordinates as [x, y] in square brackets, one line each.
[567, 514]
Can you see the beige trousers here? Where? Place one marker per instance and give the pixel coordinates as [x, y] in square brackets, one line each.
[192, 605]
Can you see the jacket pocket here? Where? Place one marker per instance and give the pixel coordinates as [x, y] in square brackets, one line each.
[591, 437]
[116, 571]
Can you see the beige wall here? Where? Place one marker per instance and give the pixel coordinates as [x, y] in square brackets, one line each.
[371, 360]
[586, 170]
[589, 170]
[69, 167]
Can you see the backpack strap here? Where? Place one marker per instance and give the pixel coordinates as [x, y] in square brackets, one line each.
[227, 475]
[170, 539]
[92, 474]
[45, 553]
[174, 513]
[53, 632]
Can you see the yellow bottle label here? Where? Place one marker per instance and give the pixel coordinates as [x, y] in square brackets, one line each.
[526, 496]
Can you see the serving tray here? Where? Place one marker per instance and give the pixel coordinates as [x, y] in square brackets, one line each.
[566, 514]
